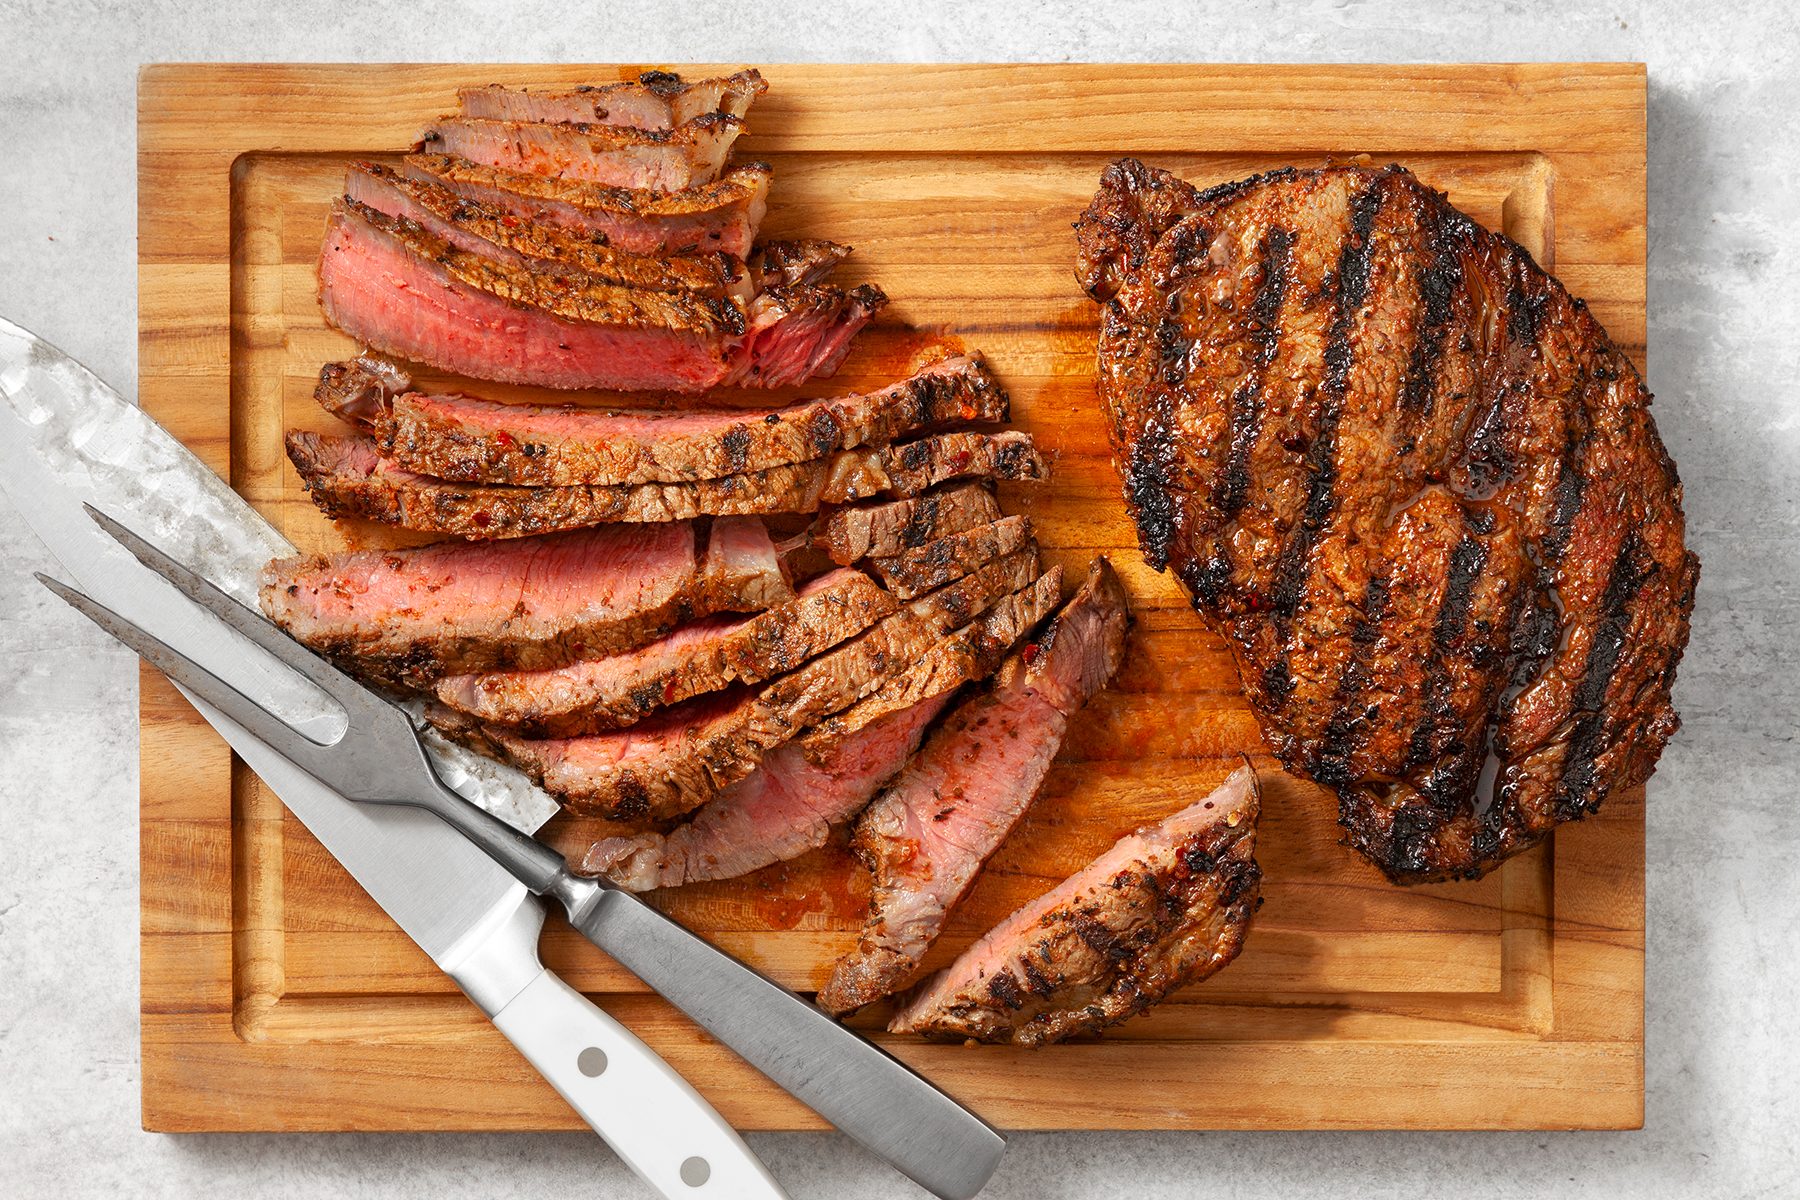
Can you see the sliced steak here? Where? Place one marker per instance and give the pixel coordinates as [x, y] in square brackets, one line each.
[460, 437]
[720, 217]
[928, 834]
[402, 290]
[348, 478]
[938, 562]
[487, 229]
[893, 526]
[674, 761]
[1166, 907]
[778, 812]
[1412, 483]
[657, 100]
[662, 160]
[707, 656]
[793, 261]
[542, 602]
[972, 652]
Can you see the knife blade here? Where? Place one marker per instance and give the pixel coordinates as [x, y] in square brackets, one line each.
[66, 439]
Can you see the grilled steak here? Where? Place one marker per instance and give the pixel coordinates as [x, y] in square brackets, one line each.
[347, 477]
[662, 160]
[487, 229]
[721, 217]
[1411, 482]
[778, 812]
[972, 652]
[1168, 906]
[674, 761]
[658, 100]
[610, 693]
[794, 261]
[458, 606]
[889, 528]
[459, 437]
[938, 562]
[394, 286]
[928, 834]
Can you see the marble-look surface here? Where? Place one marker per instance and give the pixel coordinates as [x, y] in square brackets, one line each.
[1724, 825]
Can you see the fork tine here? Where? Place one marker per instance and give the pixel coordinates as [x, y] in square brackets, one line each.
[247, 621]
[197, 679]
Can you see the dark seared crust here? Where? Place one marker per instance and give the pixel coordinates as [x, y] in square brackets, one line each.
[1413, 484]
[793, 261]
[889, 528]
[347, 478]
[458, 438]
[938, 562]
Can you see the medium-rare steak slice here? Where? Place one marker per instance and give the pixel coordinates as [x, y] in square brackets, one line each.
[460, 606]
[721, 216]
[1167, 906]
[893, 526]
[938, 562]
[487, 229]
[778, 812]
[674, 761]
[657, 100]
[462, 438]
[402, 290]
[706, 656]
[662, 160]
[348, 478]
[1411, 482]
[972, 652]
[930, 831]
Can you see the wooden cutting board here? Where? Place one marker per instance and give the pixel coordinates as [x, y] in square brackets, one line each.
[277, 996]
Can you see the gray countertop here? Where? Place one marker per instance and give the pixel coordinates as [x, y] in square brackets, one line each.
[1724, 825]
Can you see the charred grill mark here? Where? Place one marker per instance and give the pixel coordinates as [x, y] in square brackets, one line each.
[1467, 560]
[1333, 766]
[1439, 283]
[1576, 793]
[1354, 263]
[1147, 493]
[736, 444]
[1245, 405]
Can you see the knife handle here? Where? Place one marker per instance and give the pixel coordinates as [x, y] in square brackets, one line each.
[652, 1118]
[845, 1078]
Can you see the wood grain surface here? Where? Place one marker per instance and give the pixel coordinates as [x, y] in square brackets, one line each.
[276, 995]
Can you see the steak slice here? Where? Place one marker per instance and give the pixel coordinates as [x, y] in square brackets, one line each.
[462, 438]
[673, 762]
[459, 606]
[793, 261]
[657, 100]
[486, 229]
[1167, 906]
[400, 289]
[663, 160]
[891, 527]
[928, 834]
[721, 216]
[938, 562]
[1414, 486]
[972, 652]
[707, 656]
[347, 478]
[781, 810]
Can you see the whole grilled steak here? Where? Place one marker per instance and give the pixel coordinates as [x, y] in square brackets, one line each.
[393, 285]
[488, 229]
[706, 656]
[930, 831]
[657, 100]
[895, 526]
[663, 160]
[721, 216]
[348, 477]
[1413, 484]
[951, 557]
[676, 760]
[1168, 906]
[462, 606]
[462, 438]
[781, 810]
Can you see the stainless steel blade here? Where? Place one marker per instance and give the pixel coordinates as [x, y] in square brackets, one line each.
[66, 438]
